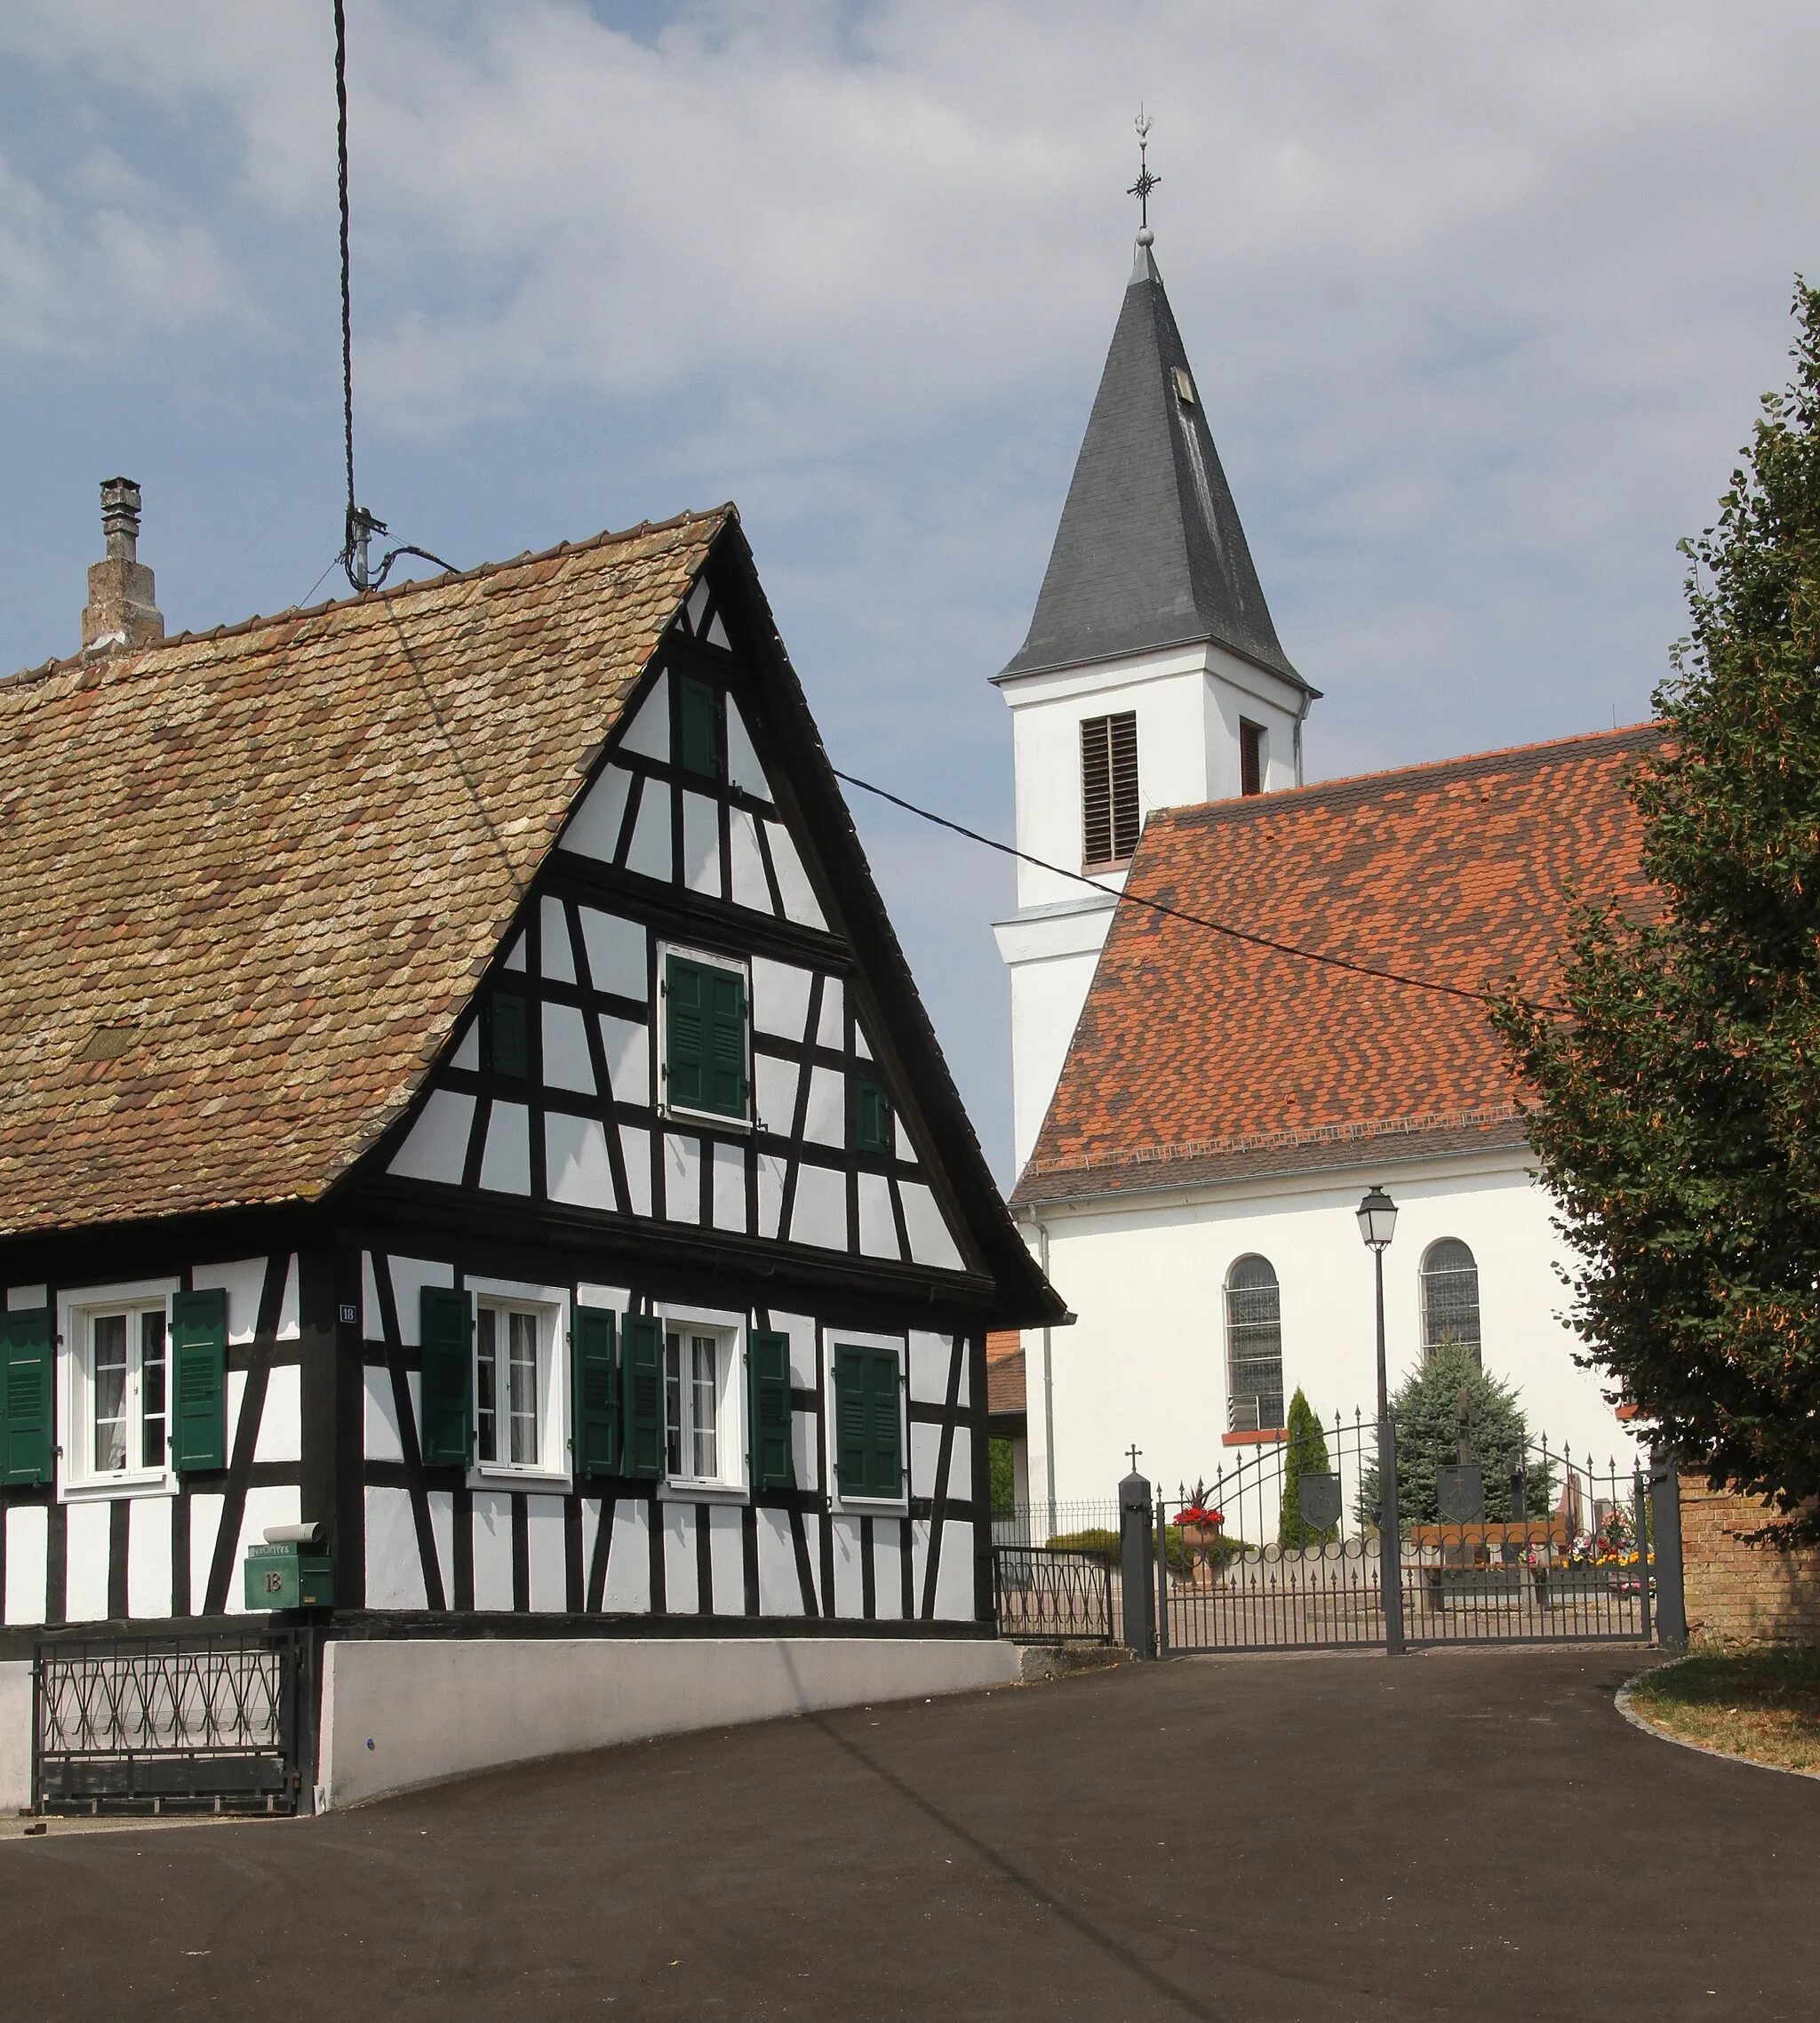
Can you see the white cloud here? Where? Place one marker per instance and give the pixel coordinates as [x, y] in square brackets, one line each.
[1480, 299]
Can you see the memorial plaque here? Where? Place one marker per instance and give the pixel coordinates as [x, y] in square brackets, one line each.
[1320, 1501]
[1459, 1493]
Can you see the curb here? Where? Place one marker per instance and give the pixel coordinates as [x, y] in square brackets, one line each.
[1649, 1728]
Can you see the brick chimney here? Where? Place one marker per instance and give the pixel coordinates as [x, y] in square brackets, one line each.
[121, 612]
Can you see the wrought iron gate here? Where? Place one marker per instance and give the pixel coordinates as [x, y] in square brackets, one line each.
[148, 1724]
[1274, 1557]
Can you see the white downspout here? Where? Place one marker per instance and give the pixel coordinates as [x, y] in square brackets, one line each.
[1048, 1390]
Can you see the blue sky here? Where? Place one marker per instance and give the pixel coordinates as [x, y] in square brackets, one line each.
[1481, 302]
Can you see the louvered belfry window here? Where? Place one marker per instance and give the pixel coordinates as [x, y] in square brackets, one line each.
[1110, 821]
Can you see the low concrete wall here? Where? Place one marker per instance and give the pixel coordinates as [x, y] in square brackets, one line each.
[15, 1738]
[409, 1712]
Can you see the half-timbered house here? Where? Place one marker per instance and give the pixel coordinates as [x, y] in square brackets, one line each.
[472, 1156]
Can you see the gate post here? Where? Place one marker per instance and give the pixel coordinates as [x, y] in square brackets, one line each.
[1139, 1629]
[1665, 1521]
[1390, 1537]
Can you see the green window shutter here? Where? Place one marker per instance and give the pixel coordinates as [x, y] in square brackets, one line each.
[882, 1423]
[446, 1328]
[851, 1454]
[26, 1443]
[642, 1394]
[199, 1380]
[768, 1382]
[704, 1036]
[699, 726]
[596, 1392]
[868, 1455]
[872, 1116]
[508, 1052]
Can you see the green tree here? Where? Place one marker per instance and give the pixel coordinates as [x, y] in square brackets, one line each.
[1004, 1477]
[1305, 1453]
[1679, 1124]
[1427, 1409]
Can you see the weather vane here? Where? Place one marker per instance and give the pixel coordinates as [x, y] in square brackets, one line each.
[1145, 181]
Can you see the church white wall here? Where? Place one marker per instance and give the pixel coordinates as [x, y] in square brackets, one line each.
[1047, 990]
[1145, 1360]
[1189, 704]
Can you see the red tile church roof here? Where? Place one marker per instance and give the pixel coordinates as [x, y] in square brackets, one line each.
[1200, 1058]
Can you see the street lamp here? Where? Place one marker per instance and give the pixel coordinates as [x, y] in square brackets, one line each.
[1378, 1224]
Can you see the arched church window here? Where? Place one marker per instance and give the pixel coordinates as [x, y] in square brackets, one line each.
[1111, 821]
[1254, 1347]
[1449, 1297]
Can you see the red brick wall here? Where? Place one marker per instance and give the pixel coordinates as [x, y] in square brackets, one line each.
[1740, 1594]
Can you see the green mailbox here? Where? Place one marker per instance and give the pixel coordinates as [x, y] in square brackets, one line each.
[285, 1576]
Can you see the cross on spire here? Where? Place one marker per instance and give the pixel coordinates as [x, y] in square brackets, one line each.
[1145, 181]
[1136, 1450]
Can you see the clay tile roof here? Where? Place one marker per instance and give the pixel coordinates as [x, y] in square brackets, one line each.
[1004, 1370]
[1198, 1058]
[248, 880]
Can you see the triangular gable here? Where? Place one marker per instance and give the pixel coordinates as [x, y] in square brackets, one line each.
[755, 866]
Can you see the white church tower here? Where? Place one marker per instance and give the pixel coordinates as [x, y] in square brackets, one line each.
[1151, 676]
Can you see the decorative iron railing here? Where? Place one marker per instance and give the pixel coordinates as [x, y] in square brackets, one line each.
[144, 1723]
[1045, 1595]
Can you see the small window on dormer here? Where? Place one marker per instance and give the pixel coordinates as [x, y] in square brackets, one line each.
[1250, 757]
[1111, 821]
[872, 1115]
[701, 720]
[506, 1049]
[1185, 386]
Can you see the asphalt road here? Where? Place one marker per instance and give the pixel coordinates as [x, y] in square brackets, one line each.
[1343, 1837]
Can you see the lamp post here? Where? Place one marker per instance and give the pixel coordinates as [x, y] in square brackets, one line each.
[1378, 1224]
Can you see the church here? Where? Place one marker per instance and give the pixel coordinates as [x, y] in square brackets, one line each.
[1240, 1001]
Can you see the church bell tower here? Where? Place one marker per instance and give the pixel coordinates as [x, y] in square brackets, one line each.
[1151, 677]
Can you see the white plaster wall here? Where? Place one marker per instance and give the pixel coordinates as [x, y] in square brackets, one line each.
[434, 1710]
[16, 1737]
[1048, 989]
[1145, 1360]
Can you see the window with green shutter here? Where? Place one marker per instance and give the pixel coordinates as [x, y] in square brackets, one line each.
[508, 1049]
[199, 1380]
[872, 1116]
[596, 1392]
[768, 1383]
[699, 715]
[26, 1443]
[445, 1329]
[642, 1397]
[868, 1445]
[704, 1043]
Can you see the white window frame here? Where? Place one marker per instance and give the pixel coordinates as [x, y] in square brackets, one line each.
[732, 1482]
[78, 1481]
[735, 965]
[897, 1505]
[552, 1470]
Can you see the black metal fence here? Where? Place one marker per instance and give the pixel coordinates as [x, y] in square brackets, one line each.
[155, 1725]
[1282, 1554]
[1051, 1594]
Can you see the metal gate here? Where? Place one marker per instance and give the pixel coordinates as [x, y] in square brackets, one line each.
[1282, 1556]
[129, 1724]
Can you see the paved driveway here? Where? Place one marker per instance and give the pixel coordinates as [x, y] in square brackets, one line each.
[1459, 1836]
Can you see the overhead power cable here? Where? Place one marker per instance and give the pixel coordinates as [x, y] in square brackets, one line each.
[1129, 898]
[361, 524]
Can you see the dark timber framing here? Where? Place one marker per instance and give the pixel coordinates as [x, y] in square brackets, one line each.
[320, 1351]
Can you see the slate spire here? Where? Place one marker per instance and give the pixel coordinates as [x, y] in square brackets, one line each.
[1150, 552]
